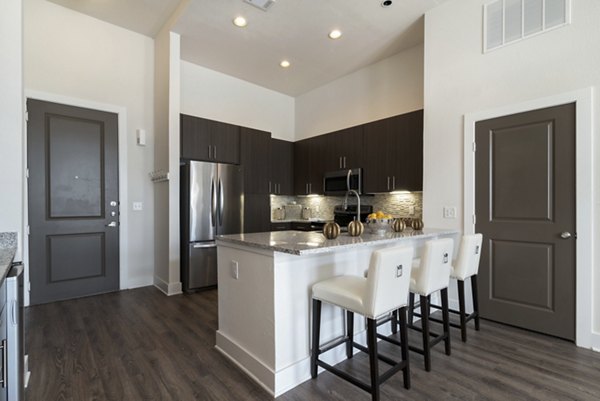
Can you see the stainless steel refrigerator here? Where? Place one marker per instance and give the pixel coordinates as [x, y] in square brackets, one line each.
[211, 204]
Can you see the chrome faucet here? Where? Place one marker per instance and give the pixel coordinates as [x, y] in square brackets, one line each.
[348, 192]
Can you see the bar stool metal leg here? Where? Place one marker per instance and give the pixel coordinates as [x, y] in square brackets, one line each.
[373, 359]
[394, 322]
[425, 332]
[461, 310]
[475, 300]
[316, 334]
[350, 333]
[404, 348]
[411, 307]
[446, 318]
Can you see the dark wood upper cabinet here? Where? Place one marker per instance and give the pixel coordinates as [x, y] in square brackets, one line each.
[256, 160]
[282, 167]
[393, 154]
[344, 149]
[309, 165]
[209, 140]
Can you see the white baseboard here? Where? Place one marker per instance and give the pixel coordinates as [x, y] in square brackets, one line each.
[167, 288]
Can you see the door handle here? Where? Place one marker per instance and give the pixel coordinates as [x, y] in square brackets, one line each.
[112, 224]
[220, 202]
[565, 235]
[213, 203]
[4, 362]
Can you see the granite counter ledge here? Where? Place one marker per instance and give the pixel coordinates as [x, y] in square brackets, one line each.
[313, 242]
[8, 249]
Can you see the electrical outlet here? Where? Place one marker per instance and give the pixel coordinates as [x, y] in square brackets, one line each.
[235, 269]
[137, 206]
[449, 212]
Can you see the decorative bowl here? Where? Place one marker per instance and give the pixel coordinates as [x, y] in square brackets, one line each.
[379, 226]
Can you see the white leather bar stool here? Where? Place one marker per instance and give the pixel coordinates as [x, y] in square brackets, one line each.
[466, 267]
[431, 275]
[385, 290]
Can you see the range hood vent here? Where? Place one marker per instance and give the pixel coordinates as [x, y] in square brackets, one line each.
[262, 4]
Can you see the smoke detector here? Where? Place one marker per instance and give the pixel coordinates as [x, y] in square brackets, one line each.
[262, 4]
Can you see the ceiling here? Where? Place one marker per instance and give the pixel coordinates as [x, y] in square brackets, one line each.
[295, 30]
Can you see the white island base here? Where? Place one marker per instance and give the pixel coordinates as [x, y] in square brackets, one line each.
[265, 298]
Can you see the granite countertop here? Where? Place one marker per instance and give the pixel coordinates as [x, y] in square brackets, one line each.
[8, 248]
[308, 243]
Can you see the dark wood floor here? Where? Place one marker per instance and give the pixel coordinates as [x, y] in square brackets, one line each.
[141, 345]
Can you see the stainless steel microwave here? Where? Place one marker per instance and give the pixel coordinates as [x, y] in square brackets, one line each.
[340, 181]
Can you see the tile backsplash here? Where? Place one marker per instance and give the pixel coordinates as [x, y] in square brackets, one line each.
[398, 205]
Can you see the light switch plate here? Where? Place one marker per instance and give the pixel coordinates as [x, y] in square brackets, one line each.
[235, 271]
[449, 212]
[137, 206]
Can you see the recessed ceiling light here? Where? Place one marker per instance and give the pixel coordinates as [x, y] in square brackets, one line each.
[386, 3]
[285, 64]
[240, 22]
[335, 34]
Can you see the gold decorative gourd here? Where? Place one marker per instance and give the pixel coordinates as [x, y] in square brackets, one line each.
[331, 230]
[355, 228]
[417, 224]
[398, 225]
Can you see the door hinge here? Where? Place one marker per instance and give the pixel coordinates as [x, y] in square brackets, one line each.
[27, 173]
[28, 231]
[26, 116]
[29, 286]
[474, 219]
[474, 147]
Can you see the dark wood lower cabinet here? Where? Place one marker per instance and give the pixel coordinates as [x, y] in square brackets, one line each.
[257, 213]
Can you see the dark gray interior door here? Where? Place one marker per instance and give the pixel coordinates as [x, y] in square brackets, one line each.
[525, 205]
[73, 201]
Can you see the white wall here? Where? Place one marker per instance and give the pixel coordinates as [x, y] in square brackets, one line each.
[76, 56]
[389, 87]
[216, 96]
[459, 79]
[11, 119]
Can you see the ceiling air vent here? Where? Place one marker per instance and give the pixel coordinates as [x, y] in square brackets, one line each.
[262, 4]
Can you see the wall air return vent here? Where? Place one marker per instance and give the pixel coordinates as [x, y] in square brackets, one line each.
[262, 4]
[509, 21]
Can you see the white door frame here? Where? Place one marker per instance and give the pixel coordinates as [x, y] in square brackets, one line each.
[584, 99]
[123, 210]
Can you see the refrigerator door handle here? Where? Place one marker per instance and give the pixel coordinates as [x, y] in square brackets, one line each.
[213, 204]
[221, 201]
[211, 244]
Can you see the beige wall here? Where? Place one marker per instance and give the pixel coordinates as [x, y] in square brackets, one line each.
[72, 55]
[216, 96]
[459, 79]
[389, 87]
[11, 119]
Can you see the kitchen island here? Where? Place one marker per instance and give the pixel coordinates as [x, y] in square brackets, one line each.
[265, 282]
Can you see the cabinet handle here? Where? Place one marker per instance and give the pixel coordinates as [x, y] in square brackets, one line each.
[209, 152]
[215, 152]
[4, 367]
[269, 186]
[344, 161]
[278, 190]
[306, 188]
[341, 165]
[388, 182]
[394, 183]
